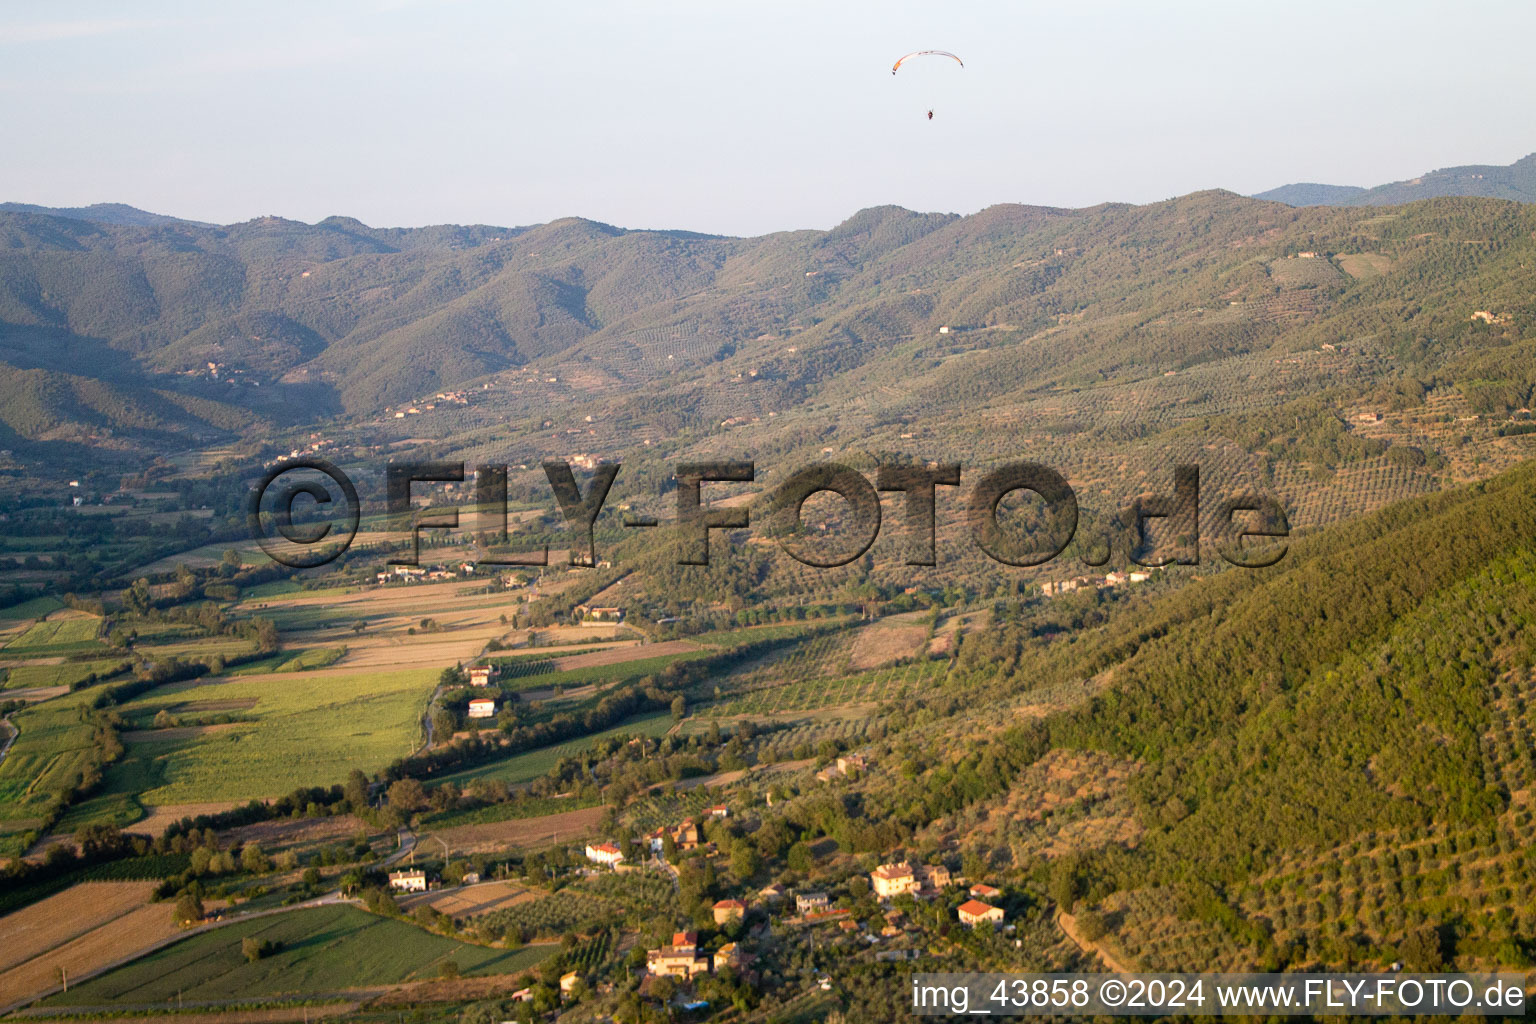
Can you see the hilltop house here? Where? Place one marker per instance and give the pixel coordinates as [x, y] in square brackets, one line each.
[897, 879]
[975, 912]
[685, 836]
[604, 853]
[681, 959]
[729, 910]
[809, 902]
[728, 955]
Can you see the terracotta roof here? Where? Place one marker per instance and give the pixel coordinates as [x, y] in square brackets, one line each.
[976, 908]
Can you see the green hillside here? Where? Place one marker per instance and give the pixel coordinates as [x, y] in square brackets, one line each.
[673, 331]
[1516, 182]
[1328, 754]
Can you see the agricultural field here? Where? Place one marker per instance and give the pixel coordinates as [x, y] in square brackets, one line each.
[34, 930]
[609, 656]
[51, 751]
[63, 632]
[322, 951]
[604, 899]
[473, 900]
[809, 680]
[891, 639]
[522, 833]
[531, 765]
[537, 675]
[63, 673]
[79, 930]
[296, 729]
[35, 608]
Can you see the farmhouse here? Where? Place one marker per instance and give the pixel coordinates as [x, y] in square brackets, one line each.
[729, 910]
[893, 880]
[686, 836]
[720, 811]
[681, 959]
[482, 707]
[604, 853]
[728, 955]
[408, 881]
[897, 879]
[806, 902]
[982, 891]
[975, 912]
[482, 675]
[595, 613]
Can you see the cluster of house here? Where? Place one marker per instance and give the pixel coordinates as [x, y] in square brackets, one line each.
[597, 613]
[1052, 588]
[686, 836]
[316, 444]
[1491, 318]
[848, 764]
[901, 878]
[416, 574]
[682, 957]
[925, 880]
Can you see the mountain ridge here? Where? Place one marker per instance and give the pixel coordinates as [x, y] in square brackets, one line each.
[1516, 182]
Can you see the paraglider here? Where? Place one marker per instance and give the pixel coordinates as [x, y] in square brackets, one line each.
[925, 53]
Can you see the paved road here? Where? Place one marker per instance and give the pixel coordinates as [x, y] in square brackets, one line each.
[407, 840]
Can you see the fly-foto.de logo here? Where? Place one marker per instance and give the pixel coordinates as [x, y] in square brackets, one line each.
[305, 513]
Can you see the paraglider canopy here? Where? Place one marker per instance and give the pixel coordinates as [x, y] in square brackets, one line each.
[925, 53]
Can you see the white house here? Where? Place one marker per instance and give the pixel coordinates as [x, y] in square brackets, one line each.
[482, 707]
[604, 853]
[408, 881]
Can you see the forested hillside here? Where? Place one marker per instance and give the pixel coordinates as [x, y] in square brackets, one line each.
[1516, 182]
[1118, 319]
[1316, 761]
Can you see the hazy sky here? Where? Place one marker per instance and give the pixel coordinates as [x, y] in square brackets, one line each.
[739, 117]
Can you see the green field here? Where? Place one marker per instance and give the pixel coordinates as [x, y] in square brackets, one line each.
[292, 661]
[617, 672]
[37, 607]
[323, 950]
[529, 766]
[66, 674]
[288, 588]
[55, 636]
[301, 732]
[52, 749]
